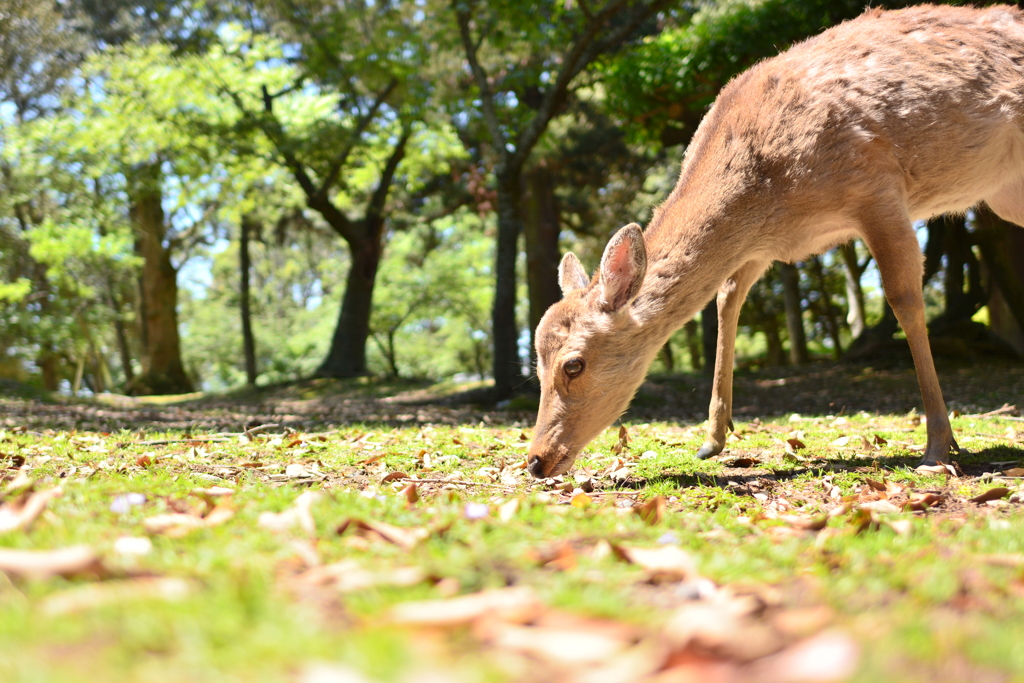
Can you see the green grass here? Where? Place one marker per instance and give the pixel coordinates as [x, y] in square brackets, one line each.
[922, 604]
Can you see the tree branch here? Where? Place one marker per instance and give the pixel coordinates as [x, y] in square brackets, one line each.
[482, 82]
[361, 125]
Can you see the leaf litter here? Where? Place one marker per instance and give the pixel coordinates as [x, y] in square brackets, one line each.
[708, 631]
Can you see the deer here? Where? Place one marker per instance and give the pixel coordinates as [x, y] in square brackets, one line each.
[858, 132]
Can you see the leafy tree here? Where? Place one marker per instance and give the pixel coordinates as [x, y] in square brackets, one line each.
[523, 71]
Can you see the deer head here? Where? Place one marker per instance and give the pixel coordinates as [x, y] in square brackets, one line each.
[591, 353]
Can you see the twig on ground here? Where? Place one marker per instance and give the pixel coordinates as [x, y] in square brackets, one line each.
[1007, 408]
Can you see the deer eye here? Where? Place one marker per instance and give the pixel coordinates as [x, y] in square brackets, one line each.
[573, 367]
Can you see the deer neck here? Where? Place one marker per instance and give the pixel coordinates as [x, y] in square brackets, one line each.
[695, 241]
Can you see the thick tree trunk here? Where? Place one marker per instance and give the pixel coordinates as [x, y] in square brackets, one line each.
[776, 353]
[541, 229]
[162, 369]
[507, 365]
[248, 341]
[1002, 251]
[709, 335]
[855, 316]
[791, 297]
[347, 355]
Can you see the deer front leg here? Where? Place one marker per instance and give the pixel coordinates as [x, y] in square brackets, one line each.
[731, 295]
[899, 260]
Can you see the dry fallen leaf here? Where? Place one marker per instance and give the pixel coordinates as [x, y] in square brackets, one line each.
[299, 514]
[19, 512]
[561, 556]
[923, 501]
[652, 511]
[404, 537]
[41, 564]
[349, 576]
[992, 494]
[664, 563]
[519, 604]
[91, 596]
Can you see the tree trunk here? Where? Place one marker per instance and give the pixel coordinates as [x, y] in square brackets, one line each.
[124, 350]
[709, 335]
[507, 365]
[791, 297]
[540, 230]
[1002, 250]
[776, 353]
[347, 355]
[855, 317]
[668, 357]
[829, 313]
[693, 344]
[162, 369]
[248, 341]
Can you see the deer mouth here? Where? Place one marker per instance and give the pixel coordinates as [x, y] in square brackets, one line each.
[537, 468]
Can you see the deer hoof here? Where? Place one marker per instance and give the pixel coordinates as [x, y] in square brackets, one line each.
[939, 453]
[709, 449]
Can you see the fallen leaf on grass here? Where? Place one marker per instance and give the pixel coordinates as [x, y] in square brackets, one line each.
[561, 556]
[992, 494]
[393, 476]
[404, 537]
[298, 515]
[623, 442]
[652, 511]
[743, 462]
[91, 596]
[824, 658]
[519, 604]
[42, 564]
[559, 647]
[349, 576]
[580, 499]
[1014, 472]
[923, 501]
[22, 510]
[879, 506]
[663, 564]
[178, 524]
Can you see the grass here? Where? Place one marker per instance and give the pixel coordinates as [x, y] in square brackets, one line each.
[925, 599]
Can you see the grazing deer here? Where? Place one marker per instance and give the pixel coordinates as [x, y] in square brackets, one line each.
[878, 122]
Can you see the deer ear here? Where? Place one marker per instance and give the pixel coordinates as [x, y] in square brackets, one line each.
[571, 274]
[623, 267]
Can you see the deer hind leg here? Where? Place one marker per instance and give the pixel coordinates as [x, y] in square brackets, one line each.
[894, 246]
[730, 299]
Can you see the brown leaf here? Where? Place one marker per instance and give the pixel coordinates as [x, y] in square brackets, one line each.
[923, 501]
[348, 576]
[560, 556]
[879, 441]
[119, 593]
[652, 511]
[42, 564]
[805, 522]
[1014, 472]
[623, 442]
[663, 564]
[793, 445]
[411, 493]
[173, 524]
[513, 605]
[299, 514]
[560, 647]
[403, 537]
[393, 476]
[742, 462]
[825, 658]
[21, 511]
[144, 461]
[992, 494]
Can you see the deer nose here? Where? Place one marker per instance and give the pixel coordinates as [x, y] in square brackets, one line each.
[535, 466]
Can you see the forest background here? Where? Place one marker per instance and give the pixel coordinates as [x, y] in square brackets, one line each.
[206, 194]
